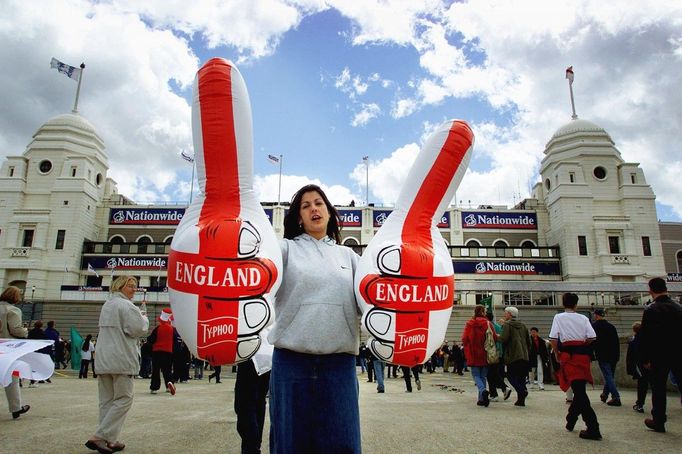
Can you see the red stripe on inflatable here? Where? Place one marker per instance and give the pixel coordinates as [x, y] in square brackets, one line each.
[219, 141]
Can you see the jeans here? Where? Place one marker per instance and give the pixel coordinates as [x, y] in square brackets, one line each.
[84, 368]
[379, 374]
[250, 391]
[314, 403]
[609, 383]
[363, 364]
[480, 374]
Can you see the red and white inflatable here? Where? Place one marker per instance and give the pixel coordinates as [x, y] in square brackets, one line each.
[405, 276]
[225, 261]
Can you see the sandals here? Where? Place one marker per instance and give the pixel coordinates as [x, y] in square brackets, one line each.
[100, 446]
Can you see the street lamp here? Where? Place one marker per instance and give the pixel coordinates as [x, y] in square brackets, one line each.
[33, 290]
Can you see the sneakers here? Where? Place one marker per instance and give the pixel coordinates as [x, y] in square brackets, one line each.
[419, 385]
[614, 403]
[154, 391]
[653, 426]
[590, 435]
[171, 387]
[541, 388]
[507, 393]
[638, 408]
[494, 399]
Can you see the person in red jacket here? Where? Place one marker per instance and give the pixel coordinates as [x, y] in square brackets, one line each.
[162, 339]
[473, 339]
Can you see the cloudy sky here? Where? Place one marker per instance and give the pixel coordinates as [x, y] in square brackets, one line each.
[333, 81]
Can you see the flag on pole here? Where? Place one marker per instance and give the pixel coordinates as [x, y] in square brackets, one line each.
[186, 157]
[365, 158]
[273, 159]
[488, 303]
[76, 344]
[70, 71]
[92, 270]
[569, 74]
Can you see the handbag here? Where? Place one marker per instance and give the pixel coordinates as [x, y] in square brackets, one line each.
[490, 346]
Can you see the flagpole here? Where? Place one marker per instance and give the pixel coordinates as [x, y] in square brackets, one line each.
[279, 190]
[367, 180]
[78, 89]
[191, 186]
[569, 76]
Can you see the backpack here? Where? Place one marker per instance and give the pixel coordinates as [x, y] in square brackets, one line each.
[490, 346]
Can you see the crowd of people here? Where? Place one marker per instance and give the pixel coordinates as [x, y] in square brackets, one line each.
[311, 376]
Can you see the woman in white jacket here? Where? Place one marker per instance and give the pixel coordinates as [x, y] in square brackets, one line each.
[121, 324]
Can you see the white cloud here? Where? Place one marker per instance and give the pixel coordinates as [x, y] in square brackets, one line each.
[368, 112]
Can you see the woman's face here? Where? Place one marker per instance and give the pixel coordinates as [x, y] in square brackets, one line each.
[129, 289]
[314, 215]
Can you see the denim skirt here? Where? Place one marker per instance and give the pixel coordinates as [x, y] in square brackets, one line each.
[314, 403]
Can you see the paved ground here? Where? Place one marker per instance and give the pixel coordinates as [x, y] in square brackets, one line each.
[442, 417]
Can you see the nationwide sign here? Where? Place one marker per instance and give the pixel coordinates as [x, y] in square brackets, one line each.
[674, 277]
[497, 220]
[350, 218]
[128, 263]
[146, 216]
[380, 217]
[514, 268]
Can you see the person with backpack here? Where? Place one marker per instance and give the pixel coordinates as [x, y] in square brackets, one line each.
[516, 342]
[473, 339]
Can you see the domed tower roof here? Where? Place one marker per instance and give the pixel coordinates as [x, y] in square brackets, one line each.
[69, 132]
[579, 138]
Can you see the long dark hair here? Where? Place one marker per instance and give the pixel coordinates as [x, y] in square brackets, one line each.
[86, 343]
[292, 227]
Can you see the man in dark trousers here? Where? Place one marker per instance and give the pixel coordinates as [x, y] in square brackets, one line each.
[607, 351]
[659, 348]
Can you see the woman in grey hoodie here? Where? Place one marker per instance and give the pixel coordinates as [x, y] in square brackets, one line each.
[313, 387]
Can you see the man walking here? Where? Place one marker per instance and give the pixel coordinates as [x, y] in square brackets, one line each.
[516, 342]
[575, 334]
[659, 348]
[607, 351]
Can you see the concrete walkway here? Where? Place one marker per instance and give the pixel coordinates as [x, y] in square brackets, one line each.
[441, 418]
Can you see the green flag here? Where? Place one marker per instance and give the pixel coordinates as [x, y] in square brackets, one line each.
[76, 344]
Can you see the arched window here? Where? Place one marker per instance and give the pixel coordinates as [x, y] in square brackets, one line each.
[117, 239]
[473, 243]
[500, 248]
[142, 244]
[528, 243]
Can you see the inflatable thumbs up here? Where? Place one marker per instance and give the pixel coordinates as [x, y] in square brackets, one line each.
[223, 269]
[405, 275]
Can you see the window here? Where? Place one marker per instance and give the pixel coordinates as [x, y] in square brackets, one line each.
[548, 184]
[614, 245]
[59, 244]
[45, 166]
[527, 243]
[142, 243]
[93, 281]
[500, 248]
[582, 245]
[11, 171]
[571, 177]
[98, 179]
[646, 246]
[157, 281]
[66, 202]
[73, 171]
[633, 178]
[28, 238]
[599, 173]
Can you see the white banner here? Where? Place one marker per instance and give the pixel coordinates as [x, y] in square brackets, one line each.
[18, 356]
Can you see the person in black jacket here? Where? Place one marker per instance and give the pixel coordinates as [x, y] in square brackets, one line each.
[539, 357]
[659, 350]
[607, 351]
[635, 368]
